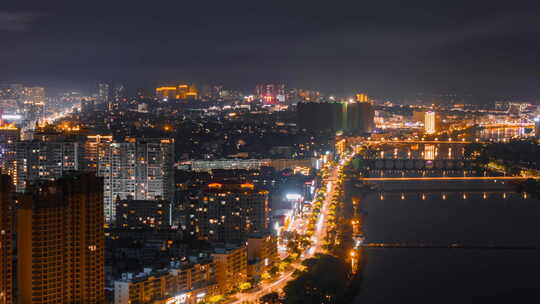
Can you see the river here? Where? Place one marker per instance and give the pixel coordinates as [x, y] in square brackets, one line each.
[470, 213]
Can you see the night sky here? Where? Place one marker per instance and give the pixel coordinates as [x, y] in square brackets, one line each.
[393, 49]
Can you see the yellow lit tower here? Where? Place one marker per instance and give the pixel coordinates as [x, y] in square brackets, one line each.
[430, 126]
[361, 97]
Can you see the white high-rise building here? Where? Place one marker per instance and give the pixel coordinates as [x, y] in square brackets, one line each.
[430, 122]
[138, 168]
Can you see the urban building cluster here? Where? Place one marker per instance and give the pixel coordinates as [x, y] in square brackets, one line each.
[176, 197]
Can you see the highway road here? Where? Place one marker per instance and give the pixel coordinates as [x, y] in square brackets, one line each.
[317, 241]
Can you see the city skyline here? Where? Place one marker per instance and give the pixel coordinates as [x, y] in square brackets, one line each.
[269, 153]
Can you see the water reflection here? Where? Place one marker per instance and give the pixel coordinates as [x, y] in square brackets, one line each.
[436, 196]
[500, 134]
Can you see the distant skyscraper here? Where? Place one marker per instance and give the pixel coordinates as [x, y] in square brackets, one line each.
[271, 93]
[33, 100]
[537, 127]
[60, 241]
[35, 95]
[323, 116]
[6, 239]
[104, 93]
[430, 122]
[119, 92]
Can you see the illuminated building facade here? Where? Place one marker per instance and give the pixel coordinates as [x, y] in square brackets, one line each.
[138, 214]
[185, 91]
[430, 119]
[183, 283]
[228, 212]
[262, 253]
[231, 266]
[181, 92]
[166, 93]
[43, 160]
[9, 134]
[35, 95]
[6, 239]
[141, 169]
[33, 100]
[537, 127]
[361, 97]
[60, 241]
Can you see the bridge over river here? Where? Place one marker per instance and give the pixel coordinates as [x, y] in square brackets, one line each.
[419, 164]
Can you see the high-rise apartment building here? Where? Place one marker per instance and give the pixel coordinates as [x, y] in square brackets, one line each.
[34, 95]
[139, 169]
[537, 128]
[104, 93]
[60, 241]
[35, 160]
[9, 134]
[430, 119]
[351, 117]
[6, 239]
[119, 92]
[33, 102]
[321, 116]
[228, 212]
[360, 117]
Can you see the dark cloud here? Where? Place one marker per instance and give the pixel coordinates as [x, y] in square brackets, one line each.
[387, 48]
[16, 21]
